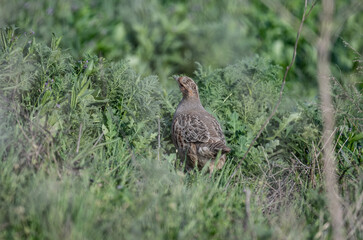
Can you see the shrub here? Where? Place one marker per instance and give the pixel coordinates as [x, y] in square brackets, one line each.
[78, 152]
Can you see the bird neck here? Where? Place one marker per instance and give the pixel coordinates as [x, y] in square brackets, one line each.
[190, 102]
[192, 99]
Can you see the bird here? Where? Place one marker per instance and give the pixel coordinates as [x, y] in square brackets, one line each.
[196, 134]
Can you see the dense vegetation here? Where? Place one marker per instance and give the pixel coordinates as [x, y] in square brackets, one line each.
[85, 150]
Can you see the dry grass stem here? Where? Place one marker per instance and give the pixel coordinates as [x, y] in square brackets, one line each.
[79, 137]
[324, 44]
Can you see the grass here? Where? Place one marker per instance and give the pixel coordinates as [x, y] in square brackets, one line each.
[79, 152]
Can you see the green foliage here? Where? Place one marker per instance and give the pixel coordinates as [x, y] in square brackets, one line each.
[166, 37]
[67, 98]
[242, 96]
[79, 150]
[348, 101]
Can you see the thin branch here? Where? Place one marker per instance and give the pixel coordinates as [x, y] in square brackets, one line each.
[98, 139]
[79, 137]
[159, 145]
[305, 14]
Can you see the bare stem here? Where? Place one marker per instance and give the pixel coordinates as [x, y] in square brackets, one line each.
[323, 46]
[79, 137]
[98, 139]
[159, 145]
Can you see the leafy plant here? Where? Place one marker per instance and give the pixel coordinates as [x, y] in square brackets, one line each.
[80, 155]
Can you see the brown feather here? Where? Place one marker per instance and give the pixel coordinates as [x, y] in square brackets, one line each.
[196, 134]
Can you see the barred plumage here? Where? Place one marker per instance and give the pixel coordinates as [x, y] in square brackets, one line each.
[196, 134]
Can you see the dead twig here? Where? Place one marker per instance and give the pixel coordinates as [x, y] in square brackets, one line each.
[79, 137]
[98, 139]
[159, 145]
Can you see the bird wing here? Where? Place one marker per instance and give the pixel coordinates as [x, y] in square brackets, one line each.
[217, 128]
[189, 129]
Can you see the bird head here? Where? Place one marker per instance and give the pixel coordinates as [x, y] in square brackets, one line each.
[187, 86]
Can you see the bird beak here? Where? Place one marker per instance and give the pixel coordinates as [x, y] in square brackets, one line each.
[176, 77]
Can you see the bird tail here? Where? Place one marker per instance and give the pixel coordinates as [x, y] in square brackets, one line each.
[220, 146]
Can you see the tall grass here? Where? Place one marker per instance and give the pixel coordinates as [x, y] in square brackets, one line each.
[79, 151]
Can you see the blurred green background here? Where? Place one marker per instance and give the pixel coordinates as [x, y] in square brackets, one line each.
[168, 37]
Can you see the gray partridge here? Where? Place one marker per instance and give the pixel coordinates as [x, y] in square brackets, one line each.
[196, 134]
